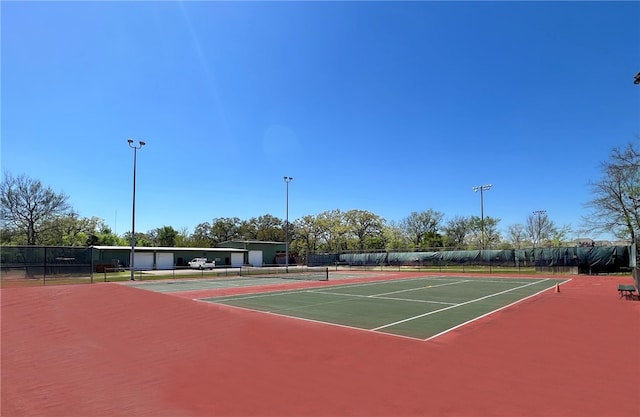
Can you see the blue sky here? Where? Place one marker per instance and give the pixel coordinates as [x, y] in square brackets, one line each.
[390, 107]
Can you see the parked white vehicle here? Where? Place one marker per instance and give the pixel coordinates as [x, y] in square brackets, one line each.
[202, 263]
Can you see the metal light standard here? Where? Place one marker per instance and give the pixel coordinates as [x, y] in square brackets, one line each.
[539, 214]
[133, 211]
[538, 230]
[482, 189]
[287, 180]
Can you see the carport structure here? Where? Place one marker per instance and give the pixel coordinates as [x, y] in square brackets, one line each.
[149, 258]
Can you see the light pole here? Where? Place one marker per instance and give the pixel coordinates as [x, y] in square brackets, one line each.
[482, 189]
[133, 211]
[539, 214]
[537, 239]
[287, 180]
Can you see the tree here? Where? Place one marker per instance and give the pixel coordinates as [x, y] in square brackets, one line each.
[422, 228]
[394, 237]
[72, 230]
[306, 235]
[183, 239]
[483, 233]
[29, 208]
[559, 236]
[105, 236]
[539, 228]
[456, 231]
[366, 227]
[616, 202]
[142, 239]
[516, 234]
[332, 231]
[269, 228]
[165, 236]
[202, 236]
[224, 229]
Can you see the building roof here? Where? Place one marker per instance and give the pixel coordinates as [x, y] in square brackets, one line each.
[168, 249]
[249, 241]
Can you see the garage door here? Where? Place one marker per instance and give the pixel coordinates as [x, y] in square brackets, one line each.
[237, 259]
[143, 260]
[255, 257]
[164, 260]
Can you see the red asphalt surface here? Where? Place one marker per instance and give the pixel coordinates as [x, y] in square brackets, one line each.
[112, 350]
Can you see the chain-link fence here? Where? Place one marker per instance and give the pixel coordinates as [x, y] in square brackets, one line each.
[572, 260]
[42, 264]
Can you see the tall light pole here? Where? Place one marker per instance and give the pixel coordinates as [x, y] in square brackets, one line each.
[539, 214]
[133, 211]
[287, 180]
[537, 239]
[482, 189]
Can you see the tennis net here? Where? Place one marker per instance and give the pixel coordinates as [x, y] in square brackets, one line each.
[305, 273]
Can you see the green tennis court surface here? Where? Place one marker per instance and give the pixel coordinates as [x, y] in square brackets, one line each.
[420, 308]
[236, 281]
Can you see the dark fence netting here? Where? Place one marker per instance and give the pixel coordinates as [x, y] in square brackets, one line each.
[547, 257]
[45, 262]
[590, 260]
[376, 258]
[413, 258]
[603, 259]
[322, 259]
[523, 257]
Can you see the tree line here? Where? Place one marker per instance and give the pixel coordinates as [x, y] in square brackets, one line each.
[34, 214]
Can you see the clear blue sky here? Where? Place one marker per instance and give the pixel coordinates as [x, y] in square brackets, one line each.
[390, 107]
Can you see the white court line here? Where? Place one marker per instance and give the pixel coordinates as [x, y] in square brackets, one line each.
[379, 297]
[489, 313]
[295, 290]
[384, 333]
[457, 305]
[389, 281]
[419, 288]
[326, 323]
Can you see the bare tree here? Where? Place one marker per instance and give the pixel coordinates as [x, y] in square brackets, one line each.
[516, 234]
[28, 207]
[616, 202]
[540, 228]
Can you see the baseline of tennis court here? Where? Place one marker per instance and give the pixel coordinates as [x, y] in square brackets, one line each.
[421, 308]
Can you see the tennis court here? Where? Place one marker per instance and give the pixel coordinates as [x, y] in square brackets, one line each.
[152, 350]
[420, 308]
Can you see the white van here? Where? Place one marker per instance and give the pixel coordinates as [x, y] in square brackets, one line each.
[202, 263]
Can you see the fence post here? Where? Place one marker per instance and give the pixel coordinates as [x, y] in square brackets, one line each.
[92, 265]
